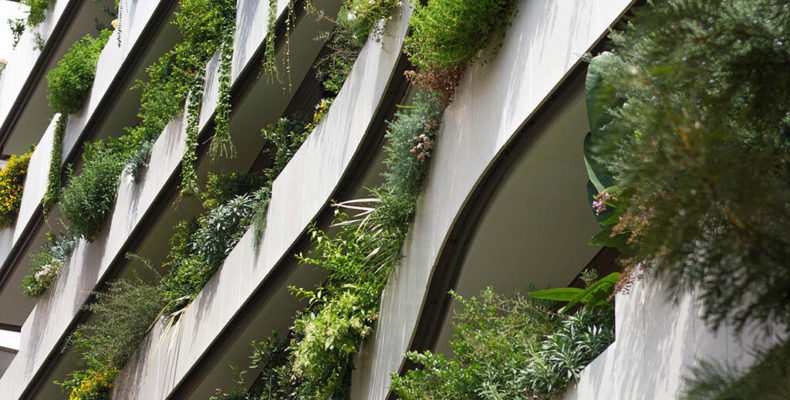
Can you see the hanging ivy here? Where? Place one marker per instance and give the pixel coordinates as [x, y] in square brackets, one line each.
[189, 185]
[221, 144]
[52, 194]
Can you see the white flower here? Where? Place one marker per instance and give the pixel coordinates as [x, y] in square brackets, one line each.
[351, 16]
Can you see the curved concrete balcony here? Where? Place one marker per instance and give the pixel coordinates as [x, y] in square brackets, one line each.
[250, 289]
[23, 87]
[495, 105]
[117, 68]
[142, 216]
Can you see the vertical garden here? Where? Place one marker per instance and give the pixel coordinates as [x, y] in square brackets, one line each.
[688, 166]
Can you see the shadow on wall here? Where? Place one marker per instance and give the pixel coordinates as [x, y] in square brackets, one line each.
[657, 341]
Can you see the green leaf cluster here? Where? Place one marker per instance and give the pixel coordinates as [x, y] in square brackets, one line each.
[364, 17]
[123, 316]
[698, 144]
[45, 265]
[508, 348]
[69, 83]
[89, 196]
[449, 35]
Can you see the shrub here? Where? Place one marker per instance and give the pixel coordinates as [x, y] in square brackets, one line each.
[508, 348]
[200, 247]
[88, 197]
[69, 83]
[448, 35]
[123, 316]
[222, 187]
[12, 180]
[45, 265]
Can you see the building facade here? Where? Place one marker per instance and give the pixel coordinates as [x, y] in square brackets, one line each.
[504, 201]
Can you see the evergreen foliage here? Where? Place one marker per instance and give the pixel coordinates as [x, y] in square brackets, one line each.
[449, 35]
[52, 194]
[698, 148]
[688, 157]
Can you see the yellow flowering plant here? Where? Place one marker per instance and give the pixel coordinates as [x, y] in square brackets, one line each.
[12, 179]
[90, 384]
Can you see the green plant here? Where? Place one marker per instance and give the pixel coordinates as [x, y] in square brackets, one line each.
[271, 362]
[17, 26]
[200, 247]
[221, 187]
[363, 17]
[333, 68]
[221, 144]
[509, 347]
[696, 142]
[12, 180]
[45, 265]
[449, 35]
[88, 197]
[596, 293]
[52, 194]
[35, 16]
[69, 83]
[123, 316]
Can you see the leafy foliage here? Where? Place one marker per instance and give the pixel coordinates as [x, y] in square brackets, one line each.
[123, 316]
[596, 293]
[697, 143]
[35, 16]
[449, 35]
[200, 247]
[88, 197]
[45, 265]
[363, 17]
[271, 362]
[69, 83]
[507, 348]
[358, 258]
[767, 379]
[12, 180]
[52, 194]
[221, 187]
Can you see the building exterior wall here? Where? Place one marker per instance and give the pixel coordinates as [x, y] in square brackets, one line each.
[656, 341]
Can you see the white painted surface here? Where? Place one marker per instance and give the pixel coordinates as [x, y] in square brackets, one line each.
[299, 194]
[657, 341]
[25, 55]
[546, 40]
[9, 10]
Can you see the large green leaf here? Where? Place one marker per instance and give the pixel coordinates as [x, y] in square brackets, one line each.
[594, 295]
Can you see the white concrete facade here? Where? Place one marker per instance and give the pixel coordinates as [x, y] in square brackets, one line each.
[494, 102]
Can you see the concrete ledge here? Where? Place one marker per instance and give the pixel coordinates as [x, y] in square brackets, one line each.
[300, 193]
[544, 43]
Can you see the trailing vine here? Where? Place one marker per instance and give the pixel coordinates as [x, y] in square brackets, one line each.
[221, 144]
[189, 185]
[55, 161]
